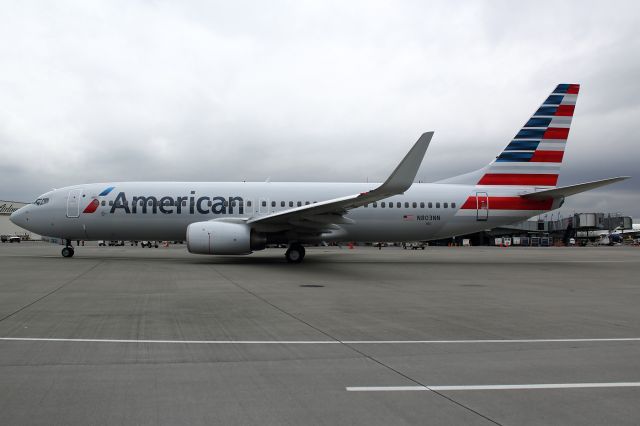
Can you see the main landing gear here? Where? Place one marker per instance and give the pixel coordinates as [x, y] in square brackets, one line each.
[67, 251]
[295, 253]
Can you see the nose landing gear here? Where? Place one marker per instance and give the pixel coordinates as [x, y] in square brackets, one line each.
[67, 251]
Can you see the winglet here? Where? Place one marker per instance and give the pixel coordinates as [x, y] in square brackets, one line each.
[403, 176]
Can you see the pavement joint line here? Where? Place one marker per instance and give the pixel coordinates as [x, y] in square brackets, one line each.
[358, 351]
[51, 292]
[492, 387]
[311, 342]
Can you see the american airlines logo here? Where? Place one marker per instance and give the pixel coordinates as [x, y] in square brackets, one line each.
[169, 205]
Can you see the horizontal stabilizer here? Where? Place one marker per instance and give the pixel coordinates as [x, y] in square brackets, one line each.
[565, 191]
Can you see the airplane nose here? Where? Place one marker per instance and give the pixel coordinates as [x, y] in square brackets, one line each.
[17, 217]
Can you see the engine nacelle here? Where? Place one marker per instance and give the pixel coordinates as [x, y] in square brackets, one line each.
[216, 237]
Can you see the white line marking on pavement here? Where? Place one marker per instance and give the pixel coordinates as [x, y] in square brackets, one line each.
[314, 342]
[492, 387]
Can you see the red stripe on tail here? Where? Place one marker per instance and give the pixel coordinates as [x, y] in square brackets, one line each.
[573, 89]
[565, 110]
[556, 133]
[547, 157]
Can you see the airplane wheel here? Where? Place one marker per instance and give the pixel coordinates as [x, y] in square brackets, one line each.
[67, 252]
[295, 253]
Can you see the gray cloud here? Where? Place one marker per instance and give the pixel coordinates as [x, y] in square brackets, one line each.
[327, 91]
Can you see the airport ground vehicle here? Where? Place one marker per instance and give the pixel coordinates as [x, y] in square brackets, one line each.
[233, 218]
[415, 245]
[10, 239]
[149, 244]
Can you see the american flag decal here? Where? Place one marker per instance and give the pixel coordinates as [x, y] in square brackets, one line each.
[408, 217]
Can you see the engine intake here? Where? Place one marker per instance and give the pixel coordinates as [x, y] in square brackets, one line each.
[216, 237]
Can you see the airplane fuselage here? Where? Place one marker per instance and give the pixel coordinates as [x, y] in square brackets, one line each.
[163, 210]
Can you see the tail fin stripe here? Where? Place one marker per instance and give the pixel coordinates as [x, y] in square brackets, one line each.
[562, 88]
[556, 133]
[522, 145]
[538, 122]
[546, 111]
[553, 100]
[569, 100]
[530, 134]
[565, 110]
[547, 157]
[515, 156]
[552, 145]
[573, 89]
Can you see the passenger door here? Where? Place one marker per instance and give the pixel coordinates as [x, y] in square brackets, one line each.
[73, 202]
[482, 206]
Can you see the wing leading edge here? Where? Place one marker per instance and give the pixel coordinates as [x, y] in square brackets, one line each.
[324, 214]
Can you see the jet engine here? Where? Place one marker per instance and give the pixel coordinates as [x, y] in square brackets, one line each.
[216, 237]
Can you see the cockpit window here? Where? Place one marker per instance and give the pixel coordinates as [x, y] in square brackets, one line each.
[41, 201]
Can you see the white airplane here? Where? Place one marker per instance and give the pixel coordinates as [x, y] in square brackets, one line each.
[226, 218]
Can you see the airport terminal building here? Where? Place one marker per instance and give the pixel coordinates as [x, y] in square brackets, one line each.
[8, 228]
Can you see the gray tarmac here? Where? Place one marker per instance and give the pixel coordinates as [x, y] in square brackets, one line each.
[126, 335]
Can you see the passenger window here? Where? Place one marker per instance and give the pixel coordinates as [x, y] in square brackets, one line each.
[437, 205]
[281, 203]
[406, 205]
[390, 205]
[430, 204]
[383, 204]
[103, 203]
[398, 205]
[184, 203]
[273, 204]
[264, 204]
[233, 203]
[306, 203]
[453, 205]
[445, 205]
[415, 205]
[249, 203]
[290, 203]
[375, 205]
[209, 203]
[422, 204]
[110, 203]
[299, 203]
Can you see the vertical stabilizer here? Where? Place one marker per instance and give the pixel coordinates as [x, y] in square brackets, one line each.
[534, 156]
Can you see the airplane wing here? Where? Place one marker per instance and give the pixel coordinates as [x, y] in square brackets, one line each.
[565, 191]
[325, 215]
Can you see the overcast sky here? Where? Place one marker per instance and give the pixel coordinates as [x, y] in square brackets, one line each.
[309, 91]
